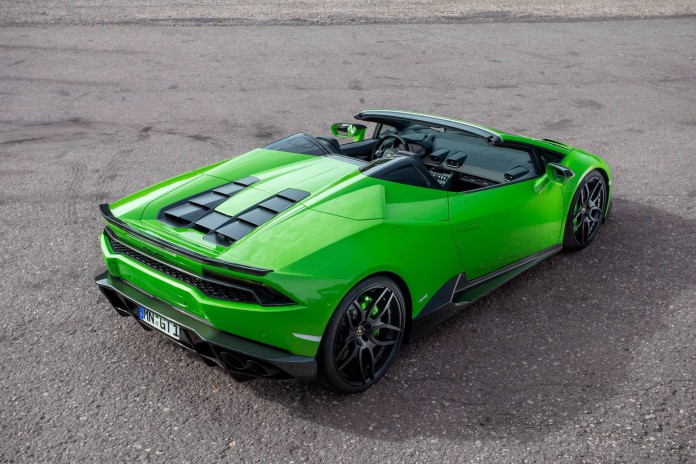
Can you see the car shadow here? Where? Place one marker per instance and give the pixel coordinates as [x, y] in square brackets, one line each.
[534, 354]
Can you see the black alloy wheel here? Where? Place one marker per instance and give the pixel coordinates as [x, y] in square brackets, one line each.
[586, 212]
[363, 335]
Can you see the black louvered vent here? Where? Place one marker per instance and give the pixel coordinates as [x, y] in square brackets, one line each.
[186, 213]
[208, 288]
[198, 212]
[227, 233]
[211, 284]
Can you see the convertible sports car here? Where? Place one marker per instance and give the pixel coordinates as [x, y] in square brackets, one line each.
[308, 256]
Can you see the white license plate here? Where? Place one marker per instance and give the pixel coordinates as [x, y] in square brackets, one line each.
[160, 323]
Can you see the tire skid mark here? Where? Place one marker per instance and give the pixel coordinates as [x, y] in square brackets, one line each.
[217, 143]
[77, 174]
[108, 174]
[145, 132]
[55, 49]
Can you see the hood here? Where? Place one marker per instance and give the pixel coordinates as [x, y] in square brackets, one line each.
[213, 210]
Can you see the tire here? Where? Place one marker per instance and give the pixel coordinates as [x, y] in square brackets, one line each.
[363, 335]
[586, 212]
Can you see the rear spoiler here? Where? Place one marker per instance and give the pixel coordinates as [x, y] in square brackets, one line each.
[109, 217]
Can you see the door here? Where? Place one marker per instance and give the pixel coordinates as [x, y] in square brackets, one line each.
[497, 226]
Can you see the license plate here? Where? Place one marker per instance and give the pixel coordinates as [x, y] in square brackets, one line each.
[158, 322]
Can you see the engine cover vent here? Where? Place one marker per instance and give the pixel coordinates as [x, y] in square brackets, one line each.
[186, 213]
[198, 212]
[244, 223]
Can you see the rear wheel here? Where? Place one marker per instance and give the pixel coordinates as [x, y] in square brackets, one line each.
[586, 212]
[363, 335]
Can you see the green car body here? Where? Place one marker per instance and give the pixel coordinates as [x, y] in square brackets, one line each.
[443, 248]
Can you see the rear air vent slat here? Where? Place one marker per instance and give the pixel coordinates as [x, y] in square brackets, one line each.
[250, 224]
[245, 222]
[260, 206]
[293, 195]
[276, 204]
[235, 230]
[257, 216]
[229, 189]
[246, 181]
[187, 212]
[209, 200]
[198, 212]
[211, 221]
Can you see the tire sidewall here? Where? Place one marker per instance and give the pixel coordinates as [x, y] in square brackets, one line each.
[569, 240]
[326, 362]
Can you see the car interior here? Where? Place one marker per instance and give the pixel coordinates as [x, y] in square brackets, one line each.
[428, 156]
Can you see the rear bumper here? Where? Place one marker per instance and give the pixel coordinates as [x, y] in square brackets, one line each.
[243, 359]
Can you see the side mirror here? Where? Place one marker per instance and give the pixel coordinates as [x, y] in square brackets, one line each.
[558, 173]
[354, 131]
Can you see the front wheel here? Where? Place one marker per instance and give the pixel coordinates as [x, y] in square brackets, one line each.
[586, 212]
[363, 335]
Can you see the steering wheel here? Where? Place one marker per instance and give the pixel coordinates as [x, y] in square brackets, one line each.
[379, 152]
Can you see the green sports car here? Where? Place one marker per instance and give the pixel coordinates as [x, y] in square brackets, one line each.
[308, 256]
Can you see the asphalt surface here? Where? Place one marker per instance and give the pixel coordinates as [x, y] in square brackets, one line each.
[587, 357]
[304, 12]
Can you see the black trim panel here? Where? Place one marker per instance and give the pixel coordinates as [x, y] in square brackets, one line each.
[441, 298]
[111, 219]
[466, 288]
[243, 359]
[461, 292]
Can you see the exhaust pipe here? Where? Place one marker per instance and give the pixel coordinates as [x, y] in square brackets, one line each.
[232, 362]
[262, 370]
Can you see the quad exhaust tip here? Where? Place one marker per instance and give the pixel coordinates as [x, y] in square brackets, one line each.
[236, 363]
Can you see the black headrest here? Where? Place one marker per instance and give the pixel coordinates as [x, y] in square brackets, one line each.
[332, 144]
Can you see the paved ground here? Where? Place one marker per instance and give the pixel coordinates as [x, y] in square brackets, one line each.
[294, 12]
[588, 357]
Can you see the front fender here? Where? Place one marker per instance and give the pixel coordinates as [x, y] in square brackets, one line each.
[582, 163]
